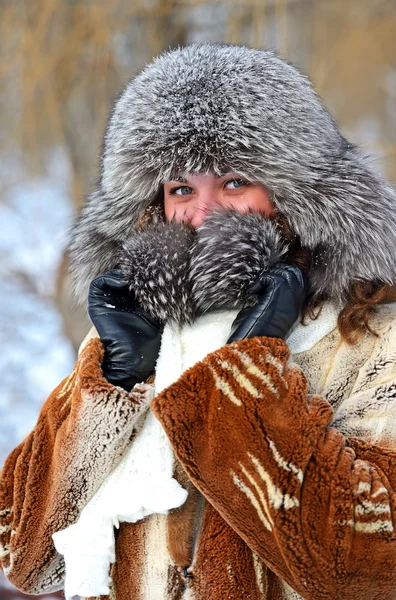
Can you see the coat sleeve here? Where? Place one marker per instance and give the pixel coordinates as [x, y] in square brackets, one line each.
[316, 506]
[81, 433]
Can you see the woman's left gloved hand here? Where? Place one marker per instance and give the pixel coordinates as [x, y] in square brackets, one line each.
[281, 294]
[130, 335]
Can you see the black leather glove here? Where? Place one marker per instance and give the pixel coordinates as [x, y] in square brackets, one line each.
[130, 335]
[281, 292]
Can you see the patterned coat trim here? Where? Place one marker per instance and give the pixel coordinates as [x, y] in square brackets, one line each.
[316, 507]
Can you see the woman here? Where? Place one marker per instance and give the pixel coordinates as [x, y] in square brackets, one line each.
[224, 183]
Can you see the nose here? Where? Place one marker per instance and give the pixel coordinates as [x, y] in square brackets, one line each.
[207, 200]
[198, 218]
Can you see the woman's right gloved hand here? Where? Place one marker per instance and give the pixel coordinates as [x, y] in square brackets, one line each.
[130, 335]
[281, 293]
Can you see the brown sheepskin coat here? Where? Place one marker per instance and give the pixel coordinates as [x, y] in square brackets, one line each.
[290, 467]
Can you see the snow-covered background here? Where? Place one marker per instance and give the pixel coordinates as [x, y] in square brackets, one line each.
[36, 215]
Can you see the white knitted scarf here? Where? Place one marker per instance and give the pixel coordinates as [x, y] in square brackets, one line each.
[142, 484]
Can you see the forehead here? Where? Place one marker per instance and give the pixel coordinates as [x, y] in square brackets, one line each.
[186, 177]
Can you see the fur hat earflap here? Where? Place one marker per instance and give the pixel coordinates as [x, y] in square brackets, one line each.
[178, 274]
[231, 251]
[156, 263]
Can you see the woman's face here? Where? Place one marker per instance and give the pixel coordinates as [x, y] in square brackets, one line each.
[191, 199]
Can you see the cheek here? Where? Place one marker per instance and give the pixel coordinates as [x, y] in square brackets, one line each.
[258, 200]
[169, 207]
[176, 210]
[173, 209]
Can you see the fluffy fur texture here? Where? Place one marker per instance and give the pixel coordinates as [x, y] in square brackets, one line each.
[224, 108]
[178, 274]
[156, 262]
[230, 253]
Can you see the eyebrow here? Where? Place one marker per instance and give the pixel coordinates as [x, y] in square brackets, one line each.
[181, 179]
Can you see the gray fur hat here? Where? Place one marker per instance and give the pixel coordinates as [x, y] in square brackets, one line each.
[221, 108]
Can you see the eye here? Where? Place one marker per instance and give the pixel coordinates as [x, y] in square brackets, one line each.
[235, 184]
[181, 190]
